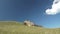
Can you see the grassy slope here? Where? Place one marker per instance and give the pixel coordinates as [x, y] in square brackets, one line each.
[18, 28]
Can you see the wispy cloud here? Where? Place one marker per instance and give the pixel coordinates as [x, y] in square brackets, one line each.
[55, 8]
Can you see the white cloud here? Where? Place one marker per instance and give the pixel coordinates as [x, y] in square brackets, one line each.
[55, 8]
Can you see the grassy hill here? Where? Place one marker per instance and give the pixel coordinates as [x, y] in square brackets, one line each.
[19, 28]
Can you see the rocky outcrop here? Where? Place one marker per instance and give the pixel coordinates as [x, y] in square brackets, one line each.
[28, 23]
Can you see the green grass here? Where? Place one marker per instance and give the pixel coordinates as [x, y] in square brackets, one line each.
[19, 28]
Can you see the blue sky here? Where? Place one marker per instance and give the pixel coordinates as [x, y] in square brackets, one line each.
[34, 10]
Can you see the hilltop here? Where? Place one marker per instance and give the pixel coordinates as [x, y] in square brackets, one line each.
[8, 27]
